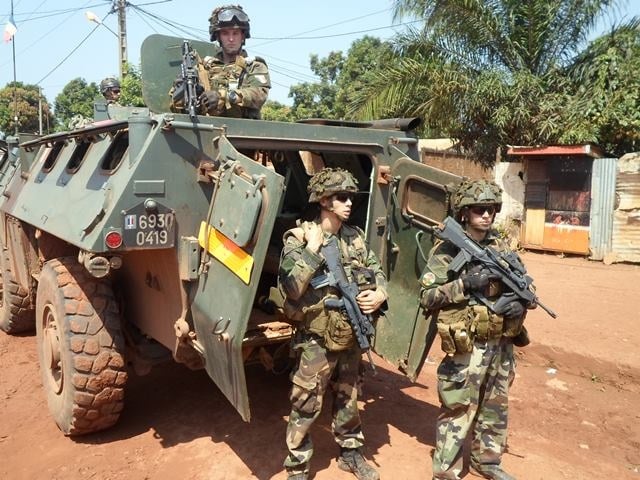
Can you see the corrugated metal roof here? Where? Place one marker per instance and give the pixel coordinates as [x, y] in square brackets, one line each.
[589, 149]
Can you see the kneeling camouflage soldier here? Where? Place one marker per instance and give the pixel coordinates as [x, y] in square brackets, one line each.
[324, 340]
[475, 376]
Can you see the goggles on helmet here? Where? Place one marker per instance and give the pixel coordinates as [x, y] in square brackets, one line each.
[228, 15]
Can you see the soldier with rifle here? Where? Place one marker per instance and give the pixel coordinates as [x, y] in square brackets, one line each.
[479, 294]
[331, 283]
[229, 83]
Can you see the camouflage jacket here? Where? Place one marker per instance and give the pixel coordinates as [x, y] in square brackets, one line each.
[247, 76]
[443, 292]
[440, 288]
[298, 265]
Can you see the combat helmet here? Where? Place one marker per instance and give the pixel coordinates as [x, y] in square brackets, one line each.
[109, 83]
[228, 16]
[329, 181]
[477, 192]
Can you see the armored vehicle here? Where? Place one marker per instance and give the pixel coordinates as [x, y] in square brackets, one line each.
[151, 234]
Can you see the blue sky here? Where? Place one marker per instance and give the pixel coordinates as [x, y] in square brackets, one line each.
[284, 32]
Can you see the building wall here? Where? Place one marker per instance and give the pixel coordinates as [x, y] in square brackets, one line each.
[625, 244]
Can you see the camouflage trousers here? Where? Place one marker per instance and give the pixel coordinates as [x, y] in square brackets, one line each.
[317, 369]
[473, 390]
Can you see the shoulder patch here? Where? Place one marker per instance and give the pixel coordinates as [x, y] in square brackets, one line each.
[428, 279]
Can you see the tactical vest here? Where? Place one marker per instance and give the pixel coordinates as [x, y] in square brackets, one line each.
[460, 324]
[330, 324]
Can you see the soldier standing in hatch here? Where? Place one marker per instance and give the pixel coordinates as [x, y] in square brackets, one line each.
[324, 339]
[237, 85]
[475, 375]
[110, 89]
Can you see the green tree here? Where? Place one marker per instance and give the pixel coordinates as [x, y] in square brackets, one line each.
[76, 98]
[131, 87]
[277, 111]
[21, 99]
[340, 78]
[605, 107]
[486, 72]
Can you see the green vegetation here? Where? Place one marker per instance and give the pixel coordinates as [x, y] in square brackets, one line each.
[487, 73]
[490, 73]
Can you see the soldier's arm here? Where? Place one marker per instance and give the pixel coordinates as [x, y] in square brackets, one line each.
[255, 85]
[381, 278]
[298, 265]
[437, 289]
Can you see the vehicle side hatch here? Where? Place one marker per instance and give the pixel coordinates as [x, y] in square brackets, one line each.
[234, 242]
[418, 200]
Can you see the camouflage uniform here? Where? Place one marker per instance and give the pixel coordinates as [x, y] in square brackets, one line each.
[248, 76]
[475, 375]
[320, 366]
[241, 87]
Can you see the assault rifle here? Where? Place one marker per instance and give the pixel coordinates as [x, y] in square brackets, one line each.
[336, 277]
[190, 80]
[506, 267]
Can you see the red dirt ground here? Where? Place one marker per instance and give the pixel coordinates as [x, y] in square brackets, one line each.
[575, 405]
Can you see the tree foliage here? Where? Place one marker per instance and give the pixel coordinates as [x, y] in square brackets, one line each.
[76, 98]
[494, 72]
[340, 78]
[131, 87]
[22, 99]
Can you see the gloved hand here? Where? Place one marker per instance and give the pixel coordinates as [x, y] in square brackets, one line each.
[178, 91]
[209, 100]
[477, 279]
[513, 311]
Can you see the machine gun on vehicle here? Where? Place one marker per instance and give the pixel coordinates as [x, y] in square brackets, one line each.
[188, 84]
[506, 267]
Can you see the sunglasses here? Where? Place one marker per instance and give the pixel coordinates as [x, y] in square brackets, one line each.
[480, 209]
[115, 90]
[344, 197]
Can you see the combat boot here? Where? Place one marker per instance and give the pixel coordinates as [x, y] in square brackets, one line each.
[493, 472]
[351, 460]
[298, 473]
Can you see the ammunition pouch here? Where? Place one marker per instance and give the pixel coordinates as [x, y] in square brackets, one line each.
[329, 324]
[339, 334]
[460, 327]
[454, 328]
[485, 324]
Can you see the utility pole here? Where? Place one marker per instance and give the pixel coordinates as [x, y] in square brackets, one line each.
[121, 6]
[40, 109]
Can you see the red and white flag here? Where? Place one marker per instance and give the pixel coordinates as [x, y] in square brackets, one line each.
[10, 30]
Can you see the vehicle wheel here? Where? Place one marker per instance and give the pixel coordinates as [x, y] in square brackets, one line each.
[80, 345]
[16, 311]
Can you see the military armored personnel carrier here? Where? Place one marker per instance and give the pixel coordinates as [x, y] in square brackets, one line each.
[153, 235]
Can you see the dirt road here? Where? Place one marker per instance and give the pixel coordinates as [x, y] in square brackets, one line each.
[575, 405]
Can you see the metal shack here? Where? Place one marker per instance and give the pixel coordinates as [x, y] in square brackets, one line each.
[569, 198]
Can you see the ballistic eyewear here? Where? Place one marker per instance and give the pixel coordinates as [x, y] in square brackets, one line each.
[343, 197]
[480, 209]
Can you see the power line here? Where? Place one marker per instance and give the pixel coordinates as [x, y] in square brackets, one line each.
[319, 37]
[72, 51]
[54, 28]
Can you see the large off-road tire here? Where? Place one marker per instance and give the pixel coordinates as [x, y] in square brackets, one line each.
[16, 310]
[80, 345]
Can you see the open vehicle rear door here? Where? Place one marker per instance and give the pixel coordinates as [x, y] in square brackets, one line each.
[419, 200]
[235, 239]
